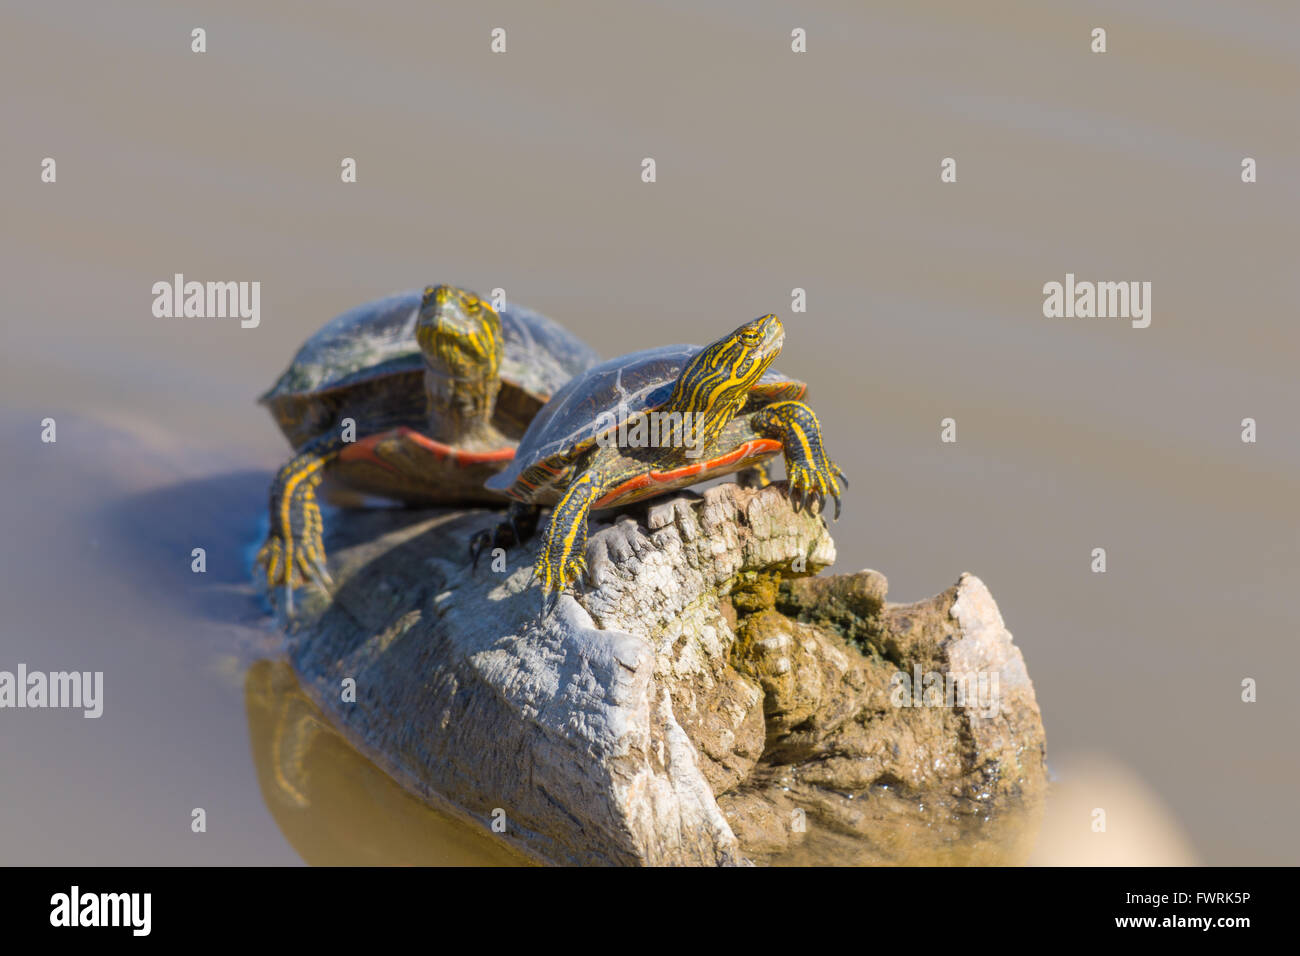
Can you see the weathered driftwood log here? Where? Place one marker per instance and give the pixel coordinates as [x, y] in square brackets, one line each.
[707, 701]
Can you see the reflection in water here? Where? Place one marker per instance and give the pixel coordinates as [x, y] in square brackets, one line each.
[923, 830]
[333, 805]
[1101, 813]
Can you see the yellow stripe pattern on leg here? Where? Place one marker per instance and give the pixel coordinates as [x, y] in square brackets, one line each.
[808, 469]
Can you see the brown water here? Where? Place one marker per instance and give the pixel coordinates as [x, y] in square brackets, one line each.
[775, 170]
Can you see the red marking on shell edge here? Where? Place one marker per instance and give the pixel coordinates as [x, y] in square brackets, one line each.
[365, 450]
[755, 448]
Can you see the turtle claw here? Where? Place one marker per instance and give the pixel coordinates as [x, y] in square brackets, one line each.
[550, 600]
[503, 535]
[837, 474]
[519, 534]
[322, 573]
[559, 572]
[293, 565]
[801, 491]
[815, 482]
[477, 545]
[519, 526]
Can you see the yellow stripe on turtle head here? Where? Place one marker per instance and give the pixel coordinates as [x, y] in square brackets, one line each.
[714, 383]
[459, 334]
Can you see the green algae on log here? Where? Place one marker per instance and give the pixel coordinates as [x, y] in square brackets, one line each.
[707, 701]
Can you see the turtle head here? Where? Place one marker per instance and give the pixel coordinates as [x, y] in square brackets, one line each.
[716, 382]
[459, 334]
[755, 345]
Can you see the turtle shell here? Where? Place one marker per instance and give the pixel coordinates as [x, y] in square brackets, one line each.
[622, 387]
[372, 350]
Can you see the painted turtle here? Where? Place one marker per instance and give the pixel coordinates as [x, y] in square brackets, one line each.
[654, 421]
[419, 398]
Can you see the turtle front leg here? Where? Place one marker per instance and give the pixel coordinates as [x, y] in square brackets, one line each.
[808, 469]
[294, 551]
[304, 512]
[563, 558]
